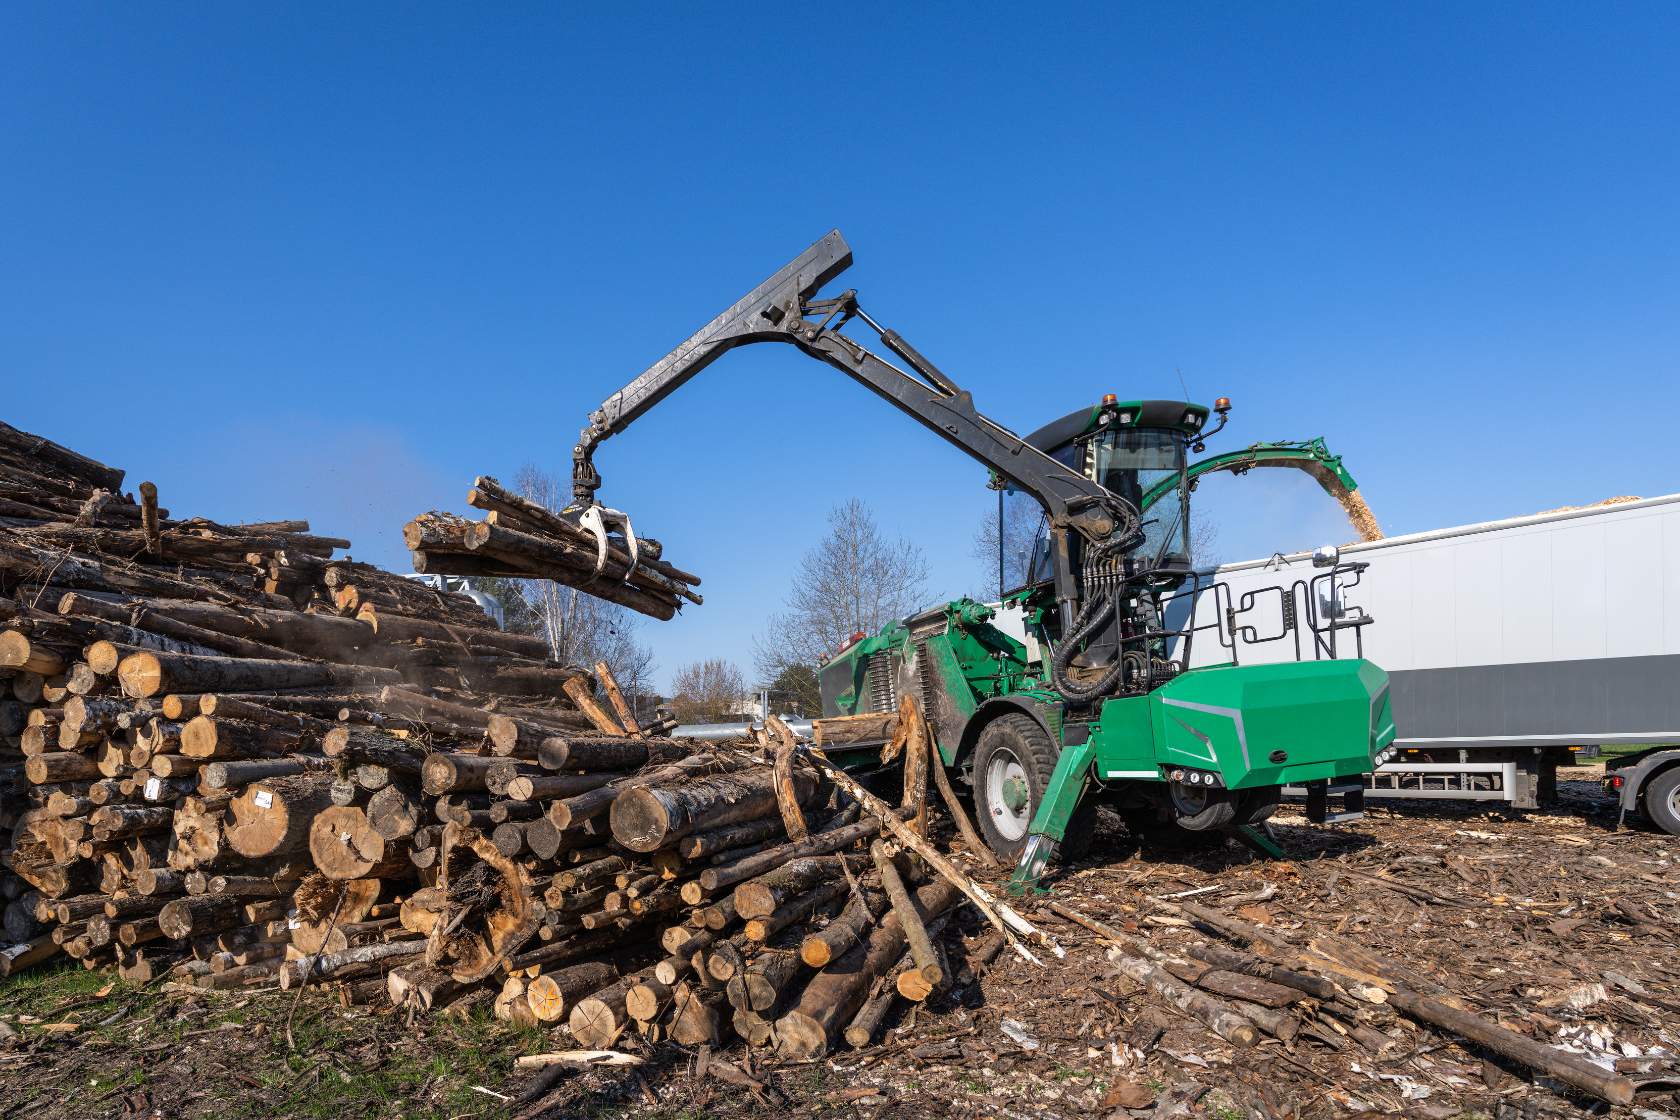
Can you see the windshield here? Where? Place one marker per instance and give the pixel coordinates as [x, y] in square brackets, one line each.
[1131, 462]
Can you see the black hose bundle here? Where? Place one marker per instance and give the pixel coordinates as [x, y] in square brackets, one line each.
[1092, 615]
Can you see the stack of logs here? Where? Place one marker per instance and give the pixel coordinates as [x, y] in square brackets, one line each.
[520, 538]
[241, 763]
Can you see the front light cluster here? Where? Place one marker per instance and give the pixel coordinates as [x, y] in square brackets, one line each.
[1195, 777]
[1386, 756]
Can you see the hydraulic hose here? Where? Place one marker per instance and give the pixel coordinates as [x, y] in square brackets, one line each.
[1090, 616]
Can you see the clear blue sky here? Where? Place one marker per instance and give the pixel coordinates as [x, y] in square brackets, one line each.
[334, 261]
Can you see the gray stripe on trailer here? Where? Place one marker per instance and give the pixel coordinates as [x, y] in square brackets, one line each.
[1598, 700]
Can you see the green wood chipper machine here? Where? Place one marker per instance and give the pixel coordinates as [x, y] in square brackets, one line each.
[1100, 693]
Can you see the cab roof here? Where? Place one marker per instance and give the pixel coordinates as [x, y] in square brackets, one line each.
[1180, 416]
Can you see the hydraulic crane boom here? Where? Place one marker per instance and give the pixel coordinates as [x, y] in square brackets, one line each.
[784, 309]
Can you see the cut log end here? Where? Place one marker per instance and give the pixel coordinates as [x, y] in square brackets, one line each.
[140, 675]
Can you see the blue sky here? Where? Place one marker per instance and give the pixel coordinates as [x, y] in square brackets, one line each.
[334, 261]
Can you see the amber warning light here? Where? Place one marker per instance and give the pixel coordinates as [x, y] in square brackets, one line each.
[1222, 405]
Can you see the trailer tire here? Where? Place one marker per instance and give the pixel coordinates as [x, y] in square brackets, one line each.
[1017, 748]
[1662, 800]
[1202, 809]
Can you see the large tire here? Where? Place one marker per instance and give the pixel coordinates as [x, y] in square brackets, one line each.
[1662, 800]
[1202, 808]
[1013, 762]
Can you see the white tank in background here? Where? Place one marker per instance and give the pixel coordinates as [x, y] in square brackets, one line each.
[460, 585]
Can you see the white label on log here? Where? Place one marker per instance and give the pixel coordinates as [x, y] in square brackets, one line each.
[263, 799]
[292, 923]
[153, 787]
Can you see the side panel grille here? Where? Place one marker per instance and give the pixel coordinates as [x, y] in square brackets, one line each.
[924, 675]
[882, 695]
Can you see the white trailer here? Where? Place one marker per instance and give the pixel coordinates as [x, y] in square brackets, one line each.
[1507, 643]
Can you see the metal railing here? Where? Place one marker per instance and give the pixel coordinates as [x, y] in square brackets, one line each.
[1313, 614]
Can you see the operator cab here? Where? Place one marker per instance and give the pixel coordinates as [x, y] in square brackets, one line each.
[1139, 451]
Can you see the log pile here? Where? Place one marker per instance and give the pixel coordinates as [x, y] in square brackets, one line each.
[522, 539]
[228, 759]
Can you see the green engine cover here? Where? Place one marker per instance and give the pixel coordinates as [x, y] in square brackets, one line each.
[1255, 725]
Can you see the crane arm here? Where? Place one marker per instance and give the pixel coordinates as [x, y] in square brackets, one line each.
[784, 309]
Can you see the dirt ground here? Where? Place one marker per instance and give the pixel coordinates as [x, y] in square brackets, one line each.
[1553, 923]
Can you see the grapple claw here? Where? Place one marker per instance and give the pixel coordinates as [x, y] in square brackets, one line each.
[597, 521]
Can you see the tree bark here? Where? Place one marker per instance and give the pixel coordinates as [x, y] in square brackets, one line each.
[626, 717]
[835, 994]
[764, 982]
[189, 917]
[579, 694]
[146, 674]
[760, 930]
[548, 787]
[714, 879]
[701, 844]
[455, 773]
[226, 775]
[761, 897]
[837, 938]
[867, 1022]
[925, 975]
[579, 752]
[648, 817]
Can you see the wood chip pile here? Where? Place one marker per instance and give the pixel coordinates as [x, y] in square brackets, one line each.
[522, 539]
[229, 760]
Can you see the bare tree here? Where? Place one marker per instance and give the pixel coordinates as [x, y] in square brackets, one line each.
[795, 690]
[854, 579]
[1019, 529]
[707, 690]
[1204, 542]
[581, 629]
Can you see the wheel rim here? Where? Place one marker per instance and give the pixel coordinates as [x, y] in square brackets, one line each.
[1189, 800]
[1674, 803]
[1008, 796]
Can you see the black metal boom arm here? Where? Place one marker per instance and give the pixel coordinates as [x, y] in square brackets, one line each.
[783, 309]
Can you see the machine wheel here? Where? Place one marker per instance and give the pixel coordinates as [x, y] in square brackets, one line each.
[1662, 800]
[1013, 762]
[1201, 808]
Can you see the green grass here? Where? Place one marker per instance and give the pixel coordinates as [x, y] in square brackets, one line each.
[343, 1067]
[1615, 750]
[39, 990]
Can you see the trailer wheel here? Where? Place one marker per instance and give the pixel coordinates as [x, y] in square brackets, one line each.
[1662, 800]
[1013, 762]
[1201, 808]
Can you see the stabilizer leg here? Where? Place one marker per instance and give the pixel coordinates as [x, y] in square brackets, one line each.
[1259, 839]
[1055, 810]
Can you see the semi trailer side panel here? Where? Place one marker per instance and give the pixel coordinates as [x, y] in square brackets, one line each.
[1557, 629]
